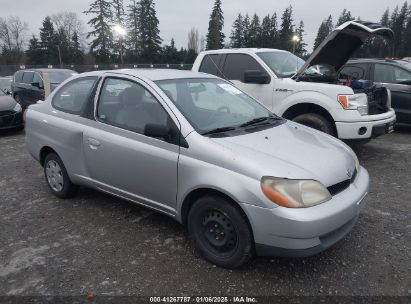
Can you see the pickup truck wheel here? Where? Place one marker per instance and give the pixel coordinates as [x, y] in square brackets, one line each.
[220, 232]
[57, 178]
[315, 121]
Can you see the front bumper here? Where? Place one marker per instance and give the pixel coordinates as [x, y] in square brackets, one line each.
[372, 126]
[305, 231]
[11, 120]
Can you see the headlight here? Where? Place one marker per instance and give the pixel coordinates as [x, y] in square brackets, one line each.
[17, 108]
[357, 102]
[294, 193]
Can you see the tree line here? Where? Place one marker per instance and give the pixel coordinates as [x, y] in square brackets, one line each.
[130, 34]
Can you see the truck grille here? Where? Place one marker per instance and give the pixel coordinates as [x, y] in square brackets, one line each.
[378, 100]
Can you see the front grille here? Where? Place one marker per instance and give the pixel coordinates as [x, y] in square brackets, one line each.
[377, 101]
[6, 113]
[341, 186]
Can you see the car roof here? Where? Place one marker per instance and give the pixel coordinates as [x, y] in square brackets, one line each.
[47, 70]
[242, 50]
[152, 74]
[399, 62]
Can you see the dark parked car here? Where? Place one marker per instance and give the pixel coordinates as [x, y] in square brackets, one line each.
[28, 87]
[11, 113]
[391, 74]
[5, 83]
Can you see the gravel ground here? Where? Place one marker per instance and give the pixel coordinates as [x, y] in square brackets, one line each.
[99, 244]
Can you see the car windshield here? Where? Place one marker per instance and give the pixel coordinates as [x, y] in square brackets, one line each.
[56, 77]
[283, 64]
[213, 105]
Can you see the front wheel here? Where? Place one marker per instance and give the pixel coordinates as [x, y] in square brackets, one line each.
[317, 122]
[57, 178]
[220, 232]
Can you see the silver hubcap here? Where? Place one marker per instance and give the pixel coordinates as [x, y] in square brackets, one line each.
[54, 176]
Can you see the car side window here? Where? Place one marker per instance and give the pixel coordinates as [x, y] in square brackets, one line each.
[210, 64]
[356, 72]
[74, 95]
[390, 74]
[236, 64]
[37, 79]
[19, 76]
[28, 77]
[128, 105]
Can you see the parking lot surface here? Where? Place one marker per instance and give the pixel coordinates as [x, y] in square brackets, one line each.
[96, 243]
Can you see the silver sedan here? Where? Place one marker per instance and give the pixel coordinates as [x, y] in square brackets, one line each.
[190, 145]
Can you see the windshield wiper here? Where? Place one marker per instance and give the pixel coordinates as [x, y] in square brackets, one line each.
[219, 130]
[259, 120]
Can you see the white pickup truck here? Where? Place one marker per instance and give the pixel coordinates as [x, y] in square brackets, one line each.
[310, 92]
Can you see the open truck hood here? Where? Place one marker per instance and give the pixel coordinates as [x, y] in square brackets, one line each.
[341, 44]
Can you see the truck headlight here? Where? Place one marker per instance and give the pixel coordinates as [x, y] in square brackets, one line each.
[294, 193]
[357, 102]
[17, 108]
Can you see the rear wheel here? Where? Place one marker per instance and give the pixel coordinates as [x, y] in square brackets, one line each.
[18, 99]
[317, 122]
[220, 232]
[57, 177]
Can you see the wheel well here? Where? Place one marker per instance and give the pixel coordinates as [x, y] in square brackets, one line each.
[44, 152]
[196, 194]
[304, 108]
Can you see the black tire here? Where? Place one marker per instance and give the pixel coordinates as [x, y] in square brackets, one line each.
[315, 121]
[66, 188]
[220, 232]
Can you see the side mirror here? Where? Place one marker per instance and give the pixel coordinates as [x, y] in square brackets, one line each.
[157, 131]
[256, 77]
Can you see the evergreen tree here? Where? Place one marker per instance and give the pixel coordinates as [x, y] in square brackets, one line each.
[266, 28]
[344, 17]
[148, 32]
[246, 30]
[47, 42]
[300, 49]
[102, 32]
[287, 29]
[77, 54]
[132, 41]
[325, 29]
[237, 33]
[274, 39]
[34, 51]
[254, 32]
[398, 25]
[170, 53]
[215, 36]
[407, 37]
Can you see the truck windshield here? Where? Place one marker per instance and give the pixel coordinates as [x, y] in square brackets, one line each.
[283, 64]
[214, 106]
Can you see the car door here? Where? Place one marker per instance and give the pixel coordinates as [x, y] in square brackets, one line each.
[234, 69]
[120, 158]
[37, 88]
[25, 94]
[398, 81]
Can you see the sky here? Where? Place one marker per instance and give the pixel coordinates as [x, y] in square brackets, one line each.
[178, 16]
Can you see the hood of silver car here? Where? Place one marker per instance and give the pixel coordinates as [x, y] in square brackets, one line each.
[341, 44]
[290, 151]
[7, 103]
